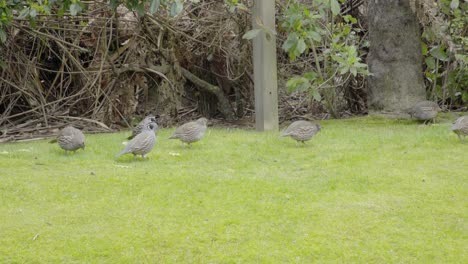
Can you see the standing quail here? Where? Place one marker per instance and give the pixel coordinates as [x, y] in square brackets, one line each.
[190, 132]
[460, 127]
[142, 143]
[424, 111]
[70, 139]
[301, 131]
[138, 128]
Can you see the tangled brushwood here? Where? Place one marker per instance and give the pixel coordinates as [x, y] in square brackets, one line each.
[101, 68]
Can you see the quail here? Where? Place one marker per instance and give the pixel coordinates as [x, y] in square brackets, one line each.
[460, 127]
[142, 143]
[301, 131]
[424, 111]
[190, 132]
[70, 139]
[138, 128]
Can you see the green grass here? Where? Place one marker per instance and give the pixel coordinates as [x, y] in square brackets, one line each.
[363, 190]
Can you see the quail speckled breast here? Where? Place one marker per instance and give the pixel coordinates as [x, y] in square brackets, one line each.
[301, 131]
[424, 111]
[138, 128]
[70, 139]
[460, 127]
[190, 132]
[142, 143]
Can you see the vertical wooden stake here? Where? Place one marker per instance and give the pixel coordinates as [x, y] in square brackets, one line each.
[264, 60]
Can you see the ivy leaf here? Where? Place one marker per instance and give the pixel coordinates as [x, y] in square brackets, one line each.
[251, 34]
[154, 6]
[335, 7]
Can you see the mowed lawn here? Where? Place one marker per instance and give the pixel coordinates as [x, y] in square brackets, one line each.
[364, 190]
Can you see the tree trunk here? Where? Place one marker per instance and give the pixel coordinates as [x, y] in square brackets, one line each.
[395, 57]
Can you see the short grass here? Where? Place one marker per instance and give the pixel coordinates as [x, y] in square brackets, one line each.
[364, 190]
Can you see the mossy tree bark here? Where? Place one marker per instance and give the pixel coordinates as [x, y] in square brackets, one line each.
[395, 57]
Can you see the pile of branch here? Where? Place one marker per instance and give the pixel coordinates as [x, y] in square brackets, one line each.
[100, 70]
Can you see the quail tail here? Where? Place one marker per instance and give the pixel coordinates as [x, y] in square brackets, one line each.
[120, 153]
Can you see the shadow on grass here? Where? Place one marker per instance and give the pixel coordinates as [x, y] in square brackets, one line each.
[131, 159]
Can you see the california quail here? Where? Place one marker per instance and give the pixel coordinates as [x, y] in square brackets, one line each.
[190, 132]
[142, 143]
[424, 111]
[70, 139]
[460, 127]
[301, 131]
[138, 128]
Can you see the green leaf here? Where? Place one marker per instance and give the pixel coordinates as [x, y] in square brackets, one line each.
[32, 22]
[424, 48]
[114, 3]
[24, 13]
[316, 95]
[311, 76]
[75, 8]
[298, 84]
[251, 33]
[176, 8]
[46, 9]
[154, 6]
[3, 36]
[439, 53]
[430, 63]
[301, 46]
[346, 30]
[353, 71]
[140, 9]
[33, 13]
[344, 69]
[335, 7]
[290, 42]
[349, 18]
[465, 97]
[315, 36]
[454, 4]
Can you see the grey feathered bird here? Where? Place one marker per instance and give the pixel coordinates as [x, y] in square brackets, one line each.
[138, 128]
[424, 111]
[190, 132]
[142, 143]
[460, 127]
[70, 139]
[301, 131]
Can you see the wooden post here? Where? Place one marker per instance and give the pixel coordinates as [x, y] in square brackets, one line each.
[264, 60]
